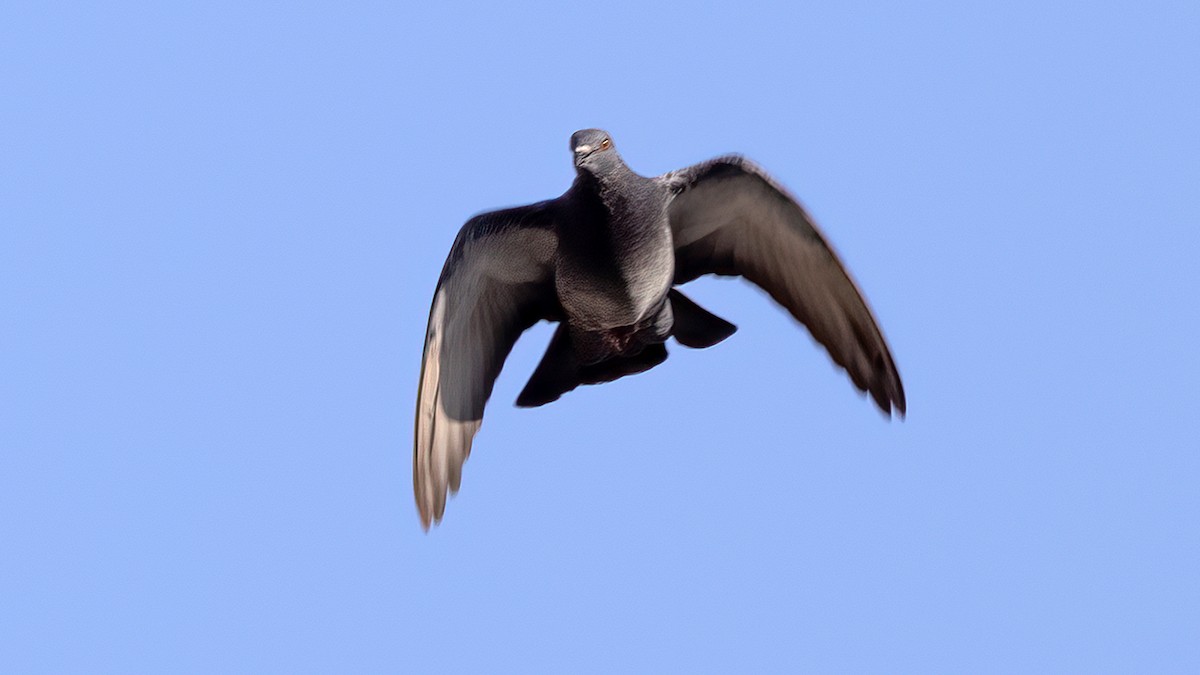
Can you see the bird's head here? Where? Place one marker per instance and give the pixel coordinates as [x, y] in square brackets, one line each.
[594, 152]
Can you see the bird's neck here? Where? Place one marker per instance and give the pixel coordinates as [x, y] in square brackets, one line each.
[610, 207]
[601, 190]
[601, 182]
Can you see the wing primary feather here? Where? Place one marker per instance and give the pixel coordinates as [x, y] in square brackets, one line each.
[729, 217]
[495, 284]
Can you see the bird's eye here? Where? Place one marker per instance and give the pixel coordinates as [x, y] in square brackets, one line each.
[605, 144]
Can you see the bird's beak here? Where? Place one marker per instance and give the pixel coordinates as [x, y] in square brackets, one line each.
[582, 150]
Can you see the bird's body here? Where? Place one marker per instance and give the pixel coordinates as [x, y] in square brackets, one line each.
[603, 260]
[616, 263]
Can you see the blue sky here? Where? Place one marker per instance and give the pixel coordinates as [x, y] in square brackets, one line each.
[220, 230]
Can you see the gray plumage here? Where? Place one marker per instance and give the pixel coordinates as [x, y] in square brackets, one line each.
[603, 260]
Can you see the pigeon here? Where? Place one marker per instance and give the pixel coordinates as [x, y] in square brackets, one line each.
[603, 261]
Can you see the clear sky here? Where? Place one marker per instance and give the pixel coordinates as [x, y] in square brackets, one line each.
[220, 230]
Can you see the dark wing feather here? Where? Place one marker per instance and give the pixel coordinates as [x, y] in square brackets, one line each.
[729, 217]
[497, 282]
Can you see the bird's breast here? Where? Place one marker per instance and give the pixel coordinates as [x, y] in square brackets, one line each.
[616, 282]
[648, 272]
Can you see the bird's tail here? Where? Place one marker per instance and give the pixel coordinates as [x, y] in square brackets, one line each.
[561, 371]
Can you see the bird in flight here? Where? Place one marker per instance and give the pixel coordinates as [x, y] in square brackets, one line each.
[603, 260]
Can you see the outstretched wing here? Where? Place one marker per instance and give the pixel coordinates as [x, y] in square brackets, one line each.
[729, 217]
[497, 282]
